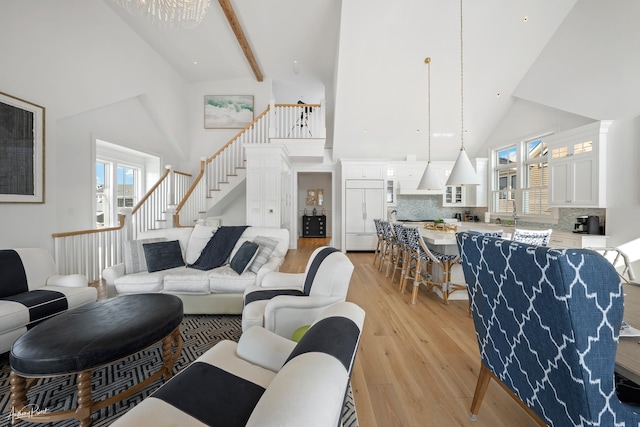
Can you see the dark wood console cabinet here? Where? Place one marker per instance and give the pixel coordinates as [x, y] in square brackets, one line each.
[314, 226]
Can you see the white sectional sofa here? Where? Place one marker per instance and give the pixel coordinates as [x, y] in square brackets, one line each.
[215, 291]
[32, 291]
[263, 380]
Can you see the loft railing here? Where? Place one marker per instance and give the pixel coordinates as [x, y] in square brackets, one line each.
[89, 252]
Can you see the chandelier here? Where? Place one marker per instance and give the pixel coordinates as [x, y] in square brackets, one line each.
[168, 13]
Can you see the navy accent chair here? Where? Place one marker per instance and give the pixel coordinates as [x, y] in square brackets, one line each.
[547, 323]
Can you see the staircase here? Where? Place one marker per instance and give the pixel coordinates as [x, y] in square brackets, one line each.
[301, 127]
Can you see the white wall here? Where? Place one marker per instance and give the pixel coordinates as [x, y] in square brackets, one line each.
[72, 63]
[206, 142]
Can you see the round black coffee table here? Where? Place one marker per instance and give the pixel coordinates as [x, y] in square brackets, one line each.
[87, 337]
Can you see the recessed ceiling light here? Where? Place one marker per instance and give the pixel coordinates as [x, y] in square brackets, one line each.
[525, 19]
[195, 62]
[498, 95]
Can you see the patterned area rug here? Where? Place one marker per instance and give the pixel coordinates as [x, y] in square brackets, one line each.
[199, 334]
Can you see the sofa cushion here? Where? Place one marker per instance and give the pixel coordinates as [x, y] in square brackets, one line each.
[134, 260]
[199, 238]
[219, 247]
[267, 245]
[186, 281]
[140, 282]
[40, 303]
[192, 393]
[225, 280]
[244, 257]
[12, 315]
[163, 255]
[13, 279]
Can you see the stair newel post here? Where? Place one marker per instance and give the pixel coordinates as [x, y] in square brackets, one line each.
[171, 202]
[171, 187]
[322, 132]
[127, 229]
[272, 119]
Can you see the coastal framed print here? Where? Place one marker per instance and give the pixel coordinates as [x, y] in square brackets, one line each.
[227, 111]
[21, 151]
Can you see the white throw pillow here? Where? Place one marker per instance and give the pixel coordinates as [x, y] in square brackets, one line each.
[199, 238]
[267, 245]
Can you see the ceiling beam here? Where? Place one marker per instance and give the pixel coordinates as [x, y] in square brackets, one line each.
[242, 40]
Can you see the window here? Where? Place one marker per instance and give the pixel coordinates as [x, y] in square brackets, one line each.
[117, 186]
[122, 177]
[521, 179]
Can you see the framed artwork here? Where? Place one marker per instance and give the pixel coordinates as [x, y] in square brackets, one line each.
[227, 111]
[311, 197]
[21, 151]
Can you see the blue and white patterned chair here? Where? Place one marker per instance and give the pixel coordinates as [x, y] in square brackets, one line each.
[547, 323]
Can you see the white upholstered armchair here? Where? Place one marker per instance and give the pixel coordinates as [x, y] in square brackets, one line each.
[286, 301]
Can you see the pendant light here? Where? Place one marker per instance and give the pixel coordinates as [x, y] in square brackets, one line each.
[463, 172]
[429, 180]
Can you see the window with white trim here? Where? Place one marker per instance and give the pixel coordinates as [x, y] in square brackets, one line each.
[520, 181]
[122, 177]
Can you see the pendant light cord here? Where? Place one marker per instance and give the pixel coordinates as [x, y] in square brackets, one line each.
[428, 61]
[461, 85]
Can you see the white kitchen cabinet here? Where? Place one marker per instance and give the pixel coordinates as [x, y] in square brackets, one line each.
[453, 196]
[564, 240]
[577, 166]
[468, 195]
[364, 200]
[407, 176]
[365, 171]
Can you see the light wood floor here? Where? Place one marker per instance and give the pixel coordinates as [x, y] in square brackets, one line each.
[417, 365]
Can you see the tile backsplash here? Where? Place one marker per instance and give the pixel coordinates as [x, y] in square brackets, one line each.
[430, 207]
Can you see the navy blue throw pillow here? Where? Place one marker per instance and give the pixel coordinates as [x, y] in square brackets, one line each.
[243, 257]
[219, 247]
[162, 255]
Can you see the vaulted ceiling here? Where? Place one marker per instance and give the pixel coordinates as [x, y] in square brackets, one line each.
[576, 56]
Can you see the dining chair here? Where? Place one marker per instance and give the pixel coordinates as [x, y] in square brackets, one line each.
[547, 324]
[532, 237]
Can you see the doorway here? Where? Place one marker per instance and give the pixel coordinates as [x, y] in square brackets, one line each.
[314, 198]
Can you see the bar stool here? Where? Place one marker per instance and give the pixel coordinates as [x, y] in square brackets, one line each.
[420, 264]
[377, 254]
[443, 261]
[401, 251]
[387, 243]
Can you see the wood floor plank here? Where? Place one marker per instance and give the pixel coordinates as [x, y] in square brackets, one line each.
[417, 364]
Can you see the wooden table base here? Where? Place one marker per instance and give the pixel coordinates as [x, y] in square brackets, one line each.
[21, 410]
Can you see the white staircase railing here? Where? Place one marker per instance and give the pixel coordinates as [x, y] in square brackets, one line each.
[89, 252]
